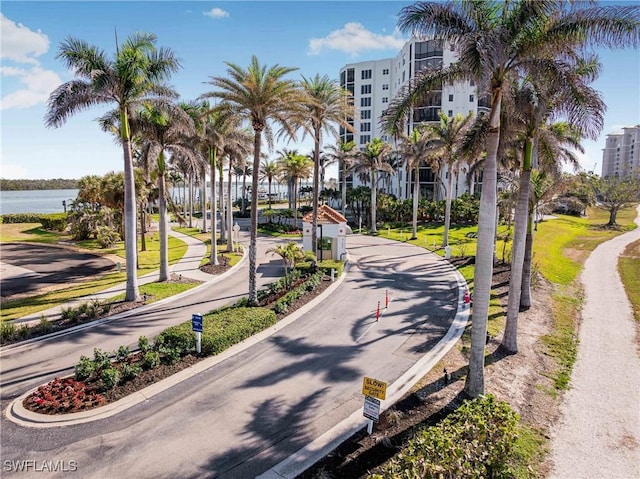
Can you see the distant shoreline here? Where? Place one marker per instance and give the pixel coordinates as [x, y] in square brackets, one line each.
[32, 185]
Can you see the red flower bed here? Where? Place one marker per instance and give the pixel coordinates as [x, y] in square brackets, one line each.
[63, 396]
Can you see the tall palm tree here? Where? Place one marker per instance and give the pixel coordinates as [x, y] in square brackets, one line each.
[136, 71]
[261, 96]
[416, 149]
[269, 172]
[535, 102]
[294, 167]
[369, 161]
[166, 128]
[497, 40]
[449, 135]
[343, 153]
[325, 105]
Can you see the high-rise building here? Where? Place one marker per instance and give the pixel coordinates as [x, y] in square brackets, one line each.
[375, 83]
[621, 154]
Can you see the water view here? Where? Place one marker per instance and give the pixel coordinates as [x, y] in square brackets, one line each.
[35, 201]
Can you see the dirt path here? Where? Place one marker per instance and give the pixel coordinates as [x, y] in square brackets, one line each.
[598, 435]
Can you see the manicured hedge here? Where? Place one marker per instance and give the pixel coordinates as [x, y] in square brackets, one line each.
[220, 329]
[52, 221]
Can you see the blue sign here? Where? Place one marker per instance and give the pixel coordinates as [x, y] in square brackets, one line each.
[196, 323]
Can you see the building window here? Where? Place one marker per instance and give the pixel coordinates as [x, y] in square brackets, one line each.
[365, 114]
[366, 74]
[471, 98]
[365, 101]
[472, 83]
[385, 71]
[403, 77]
[385, 99]
[385, 86]
[365, 139]
[450, 113]
[365, 126]
[450, 97]
[364, 89]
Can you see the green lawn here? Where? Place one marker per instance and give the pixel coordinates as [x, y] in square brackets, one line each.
[629, 269]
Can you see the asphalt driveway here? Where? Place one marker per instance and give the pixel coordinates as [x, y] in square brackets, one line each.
[27, 267]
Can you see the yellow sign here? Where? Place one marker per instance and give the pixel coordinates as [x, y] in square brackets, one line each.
[374, 388]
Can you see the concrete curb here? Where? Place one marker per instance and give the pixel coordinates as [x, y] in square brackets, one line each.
[307, 456]
[16, 412]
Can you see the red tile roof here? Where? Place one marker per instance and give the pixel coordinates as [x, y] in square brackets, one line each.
[326, 215]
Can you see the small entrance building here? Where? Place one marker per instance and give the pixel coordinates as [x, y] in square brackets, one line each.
[332, 233]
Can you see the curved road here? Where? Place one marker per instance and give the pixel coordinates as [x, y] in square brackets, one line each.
[249, 412]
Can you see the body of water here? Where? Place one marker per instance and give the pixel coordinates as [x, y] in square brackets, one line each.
[35, 201]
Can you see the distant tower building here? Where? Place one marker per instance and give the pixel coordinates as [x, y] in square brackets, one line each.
[375, 83]
[621, 154]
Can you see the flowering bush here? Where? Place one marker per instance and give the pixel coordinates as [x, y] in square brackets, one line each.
[63, 396]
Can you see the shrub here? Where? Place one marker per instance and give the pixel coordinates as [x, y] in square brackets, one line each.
[101, 359]
[151, 359]
[327, 265]
[144, 344]
[84, 369]
[122, 354]
[130, 371]
[7, 331]
[176, 337]
[110, 378]
[106, 236]
[53, 221]
[477, 440]
[20, 218]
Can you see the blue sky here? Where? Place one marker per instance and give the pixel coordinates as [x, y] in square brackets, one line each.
[316, 37]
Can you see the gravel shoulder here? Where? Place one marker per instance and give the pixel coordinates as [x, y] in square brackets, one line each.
[598, 434]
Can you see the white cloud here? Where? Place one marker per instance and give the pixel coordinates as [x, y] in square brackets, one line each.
[21, 44]
[37, 82]
[216, 13]
[353, 38]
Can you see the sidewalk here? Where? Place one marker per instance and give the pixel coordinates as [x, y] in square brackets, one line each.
[188, 266]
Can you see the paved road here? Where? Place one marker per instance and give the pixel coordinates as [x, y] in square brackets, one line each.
[249, 412]
[599, 433]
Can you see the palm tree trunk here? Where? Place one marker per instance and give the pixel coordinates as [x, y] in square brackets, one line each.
[164, 234]
[483, 274]
[223, 228]
[143, 229]
[316, 191]
[253, 237]
[344, 188]
[229, 218]
[130, 234]
[525, 296]
[374, 188]
[190, 201]
[510, 338]
[243, 208]
[203, 197]
[447, 209]
[416, 200]
[214, 212]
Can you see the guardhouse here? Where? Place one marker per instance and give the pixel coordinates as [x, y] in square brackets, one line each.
[332, 233]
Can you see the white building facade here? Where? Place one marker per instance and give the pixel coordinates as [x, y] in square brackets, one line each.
[375, 83]
[621, 154]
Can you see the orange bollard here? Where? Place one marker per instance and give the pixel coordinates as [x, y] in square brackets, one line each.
[386, 298]
[467, 297]
[378, 312]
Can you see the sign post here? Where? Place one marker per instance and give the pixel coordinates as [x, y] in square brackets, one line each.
[373, 391]
[196, 325]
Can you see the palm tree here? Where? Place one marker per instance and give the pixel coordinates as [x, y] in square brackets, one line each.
[290, 252]
[136, 72]
[261, 96]
[343, 153]
[416, 148]
[325, 105]
[294, 167]
[269, 172]
[497, 40]
[448, 141]
[372, 159]
[164, 128]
